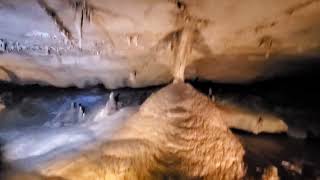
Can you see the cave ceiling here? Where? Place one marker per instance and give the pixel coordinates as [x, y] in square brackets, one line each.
[135, 42]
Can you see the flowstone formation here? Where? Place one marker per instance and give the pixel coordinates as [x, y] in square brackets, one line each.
[177, 133]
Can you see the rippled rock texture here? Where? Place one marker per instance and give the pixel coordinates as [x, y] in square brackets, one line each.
[183, 136]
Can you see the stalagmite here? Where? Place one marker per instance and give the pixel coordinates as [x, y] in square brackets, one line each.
[81, 113]
[111, 105]
[270, 173]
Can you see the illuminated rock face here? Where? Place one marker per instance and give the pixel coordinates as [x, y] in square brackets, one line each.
[256, 122]
[177, 133]
[135, 43]
[2, 107]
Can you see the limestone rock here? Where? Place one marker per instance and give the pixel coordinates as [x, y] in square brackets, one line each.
[136, 43]
[238, 117]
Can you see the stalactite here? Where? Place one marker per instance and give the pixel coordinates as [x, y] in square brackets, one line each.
[83, 11]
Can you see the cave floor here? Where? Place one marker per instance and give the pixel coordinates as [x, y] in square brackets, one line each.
[33, 106]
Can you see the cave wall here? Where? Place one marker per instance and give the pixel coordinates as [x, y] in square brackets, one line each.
[135, 42]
